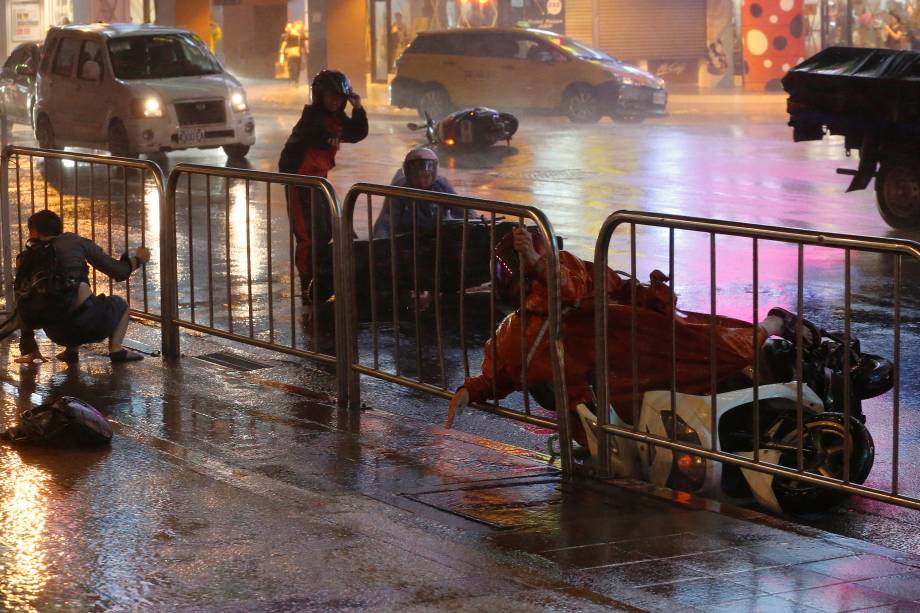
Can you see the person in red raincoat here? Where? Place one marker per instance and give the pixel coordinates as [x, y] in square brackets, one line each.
[735, 339]
[310, 150]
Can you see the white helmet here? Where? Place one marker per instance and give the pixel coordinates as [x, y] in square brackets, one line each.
[419, 160]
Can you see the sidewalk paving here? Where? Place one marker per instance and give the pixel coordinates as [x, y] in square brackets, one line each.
[233, 490]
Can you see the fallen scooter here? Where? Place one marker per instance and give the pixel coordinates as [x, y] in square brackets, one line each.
[824, 429]
[473, 128]
[457, 272]
[404, 266]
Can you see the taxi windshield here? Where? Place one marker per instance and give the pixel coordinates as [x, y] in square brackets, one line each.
[161, 56]
[579, 50]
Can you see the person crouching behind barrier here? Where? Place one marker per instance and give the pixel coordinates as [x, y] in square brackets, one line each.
[53, 292]
[419, 171]
[655, 312]
[310, 150]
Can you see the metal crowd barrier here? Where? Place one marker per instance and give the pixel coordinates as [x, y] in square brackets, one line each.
[237, 261]
[761, 237]
[401, 288]
[100, 197]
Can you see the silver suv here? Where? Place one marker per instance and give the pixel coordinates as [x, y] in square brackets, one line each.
[137, 89]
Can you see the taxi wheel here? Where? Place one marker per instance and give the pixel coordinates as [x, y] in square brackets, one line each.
[119, 145]
[435, 102]
[581, 105]
[44, 133]
[236, 152]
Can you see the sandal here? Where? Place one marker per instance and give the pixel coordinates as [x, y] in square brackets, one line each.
[790, 320]
[123, 355]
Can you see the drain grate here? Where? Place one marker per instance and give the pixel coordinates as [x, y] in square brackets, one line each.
[232, 361]
[502, 506]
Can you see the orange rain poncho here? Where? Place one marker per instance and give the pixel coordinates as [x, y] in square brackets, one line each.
[734, 342]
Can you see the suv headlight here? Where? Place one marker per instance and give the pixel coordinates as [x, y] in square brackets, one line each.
[238, 101]
[148, 107]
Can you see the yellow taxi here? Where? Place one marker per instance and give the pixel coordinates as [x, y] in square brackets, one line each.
[521, 69]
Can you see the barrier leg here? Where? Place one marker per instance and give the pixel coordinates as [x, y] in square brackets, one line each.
[5, 230]
[169, 271]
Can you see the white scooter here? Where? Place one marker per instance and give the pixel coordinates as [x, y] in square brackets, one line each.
[823, 436]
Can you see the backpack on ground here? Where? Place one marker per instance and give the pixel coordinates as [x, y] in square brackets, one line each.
[63, 422]
[44, 292]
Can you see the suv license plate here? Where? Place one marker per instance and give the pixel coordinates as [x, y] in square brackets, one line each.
[659, 98]
[190, 136]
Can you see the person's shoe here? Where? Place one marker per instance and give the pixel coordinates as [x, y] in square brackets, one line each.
[123, 355]
[70, 356]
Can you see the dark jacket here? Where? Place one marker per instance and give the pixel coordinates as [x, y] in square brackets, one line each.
[74, 255]
[427, 212]
[308, 145]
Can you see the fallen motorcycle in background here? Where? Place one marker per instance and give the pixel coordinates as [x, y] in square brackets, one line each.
[473, 128]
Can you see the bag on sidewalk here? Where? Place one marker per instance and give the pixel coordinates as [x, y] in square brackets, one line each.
[63, 422]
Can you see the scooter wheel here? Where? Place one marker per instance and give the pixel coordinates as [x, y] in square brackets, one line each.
[824, 454]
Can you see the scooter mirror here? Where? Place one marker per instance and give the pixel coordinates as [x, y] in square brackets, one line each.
[413, 126]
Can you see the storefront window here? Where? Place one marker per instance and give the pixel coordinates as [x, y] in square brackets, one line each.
[893, 24]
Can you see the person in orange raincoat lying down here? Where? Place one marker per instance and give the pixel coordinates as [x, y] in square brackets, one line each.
[655, 310]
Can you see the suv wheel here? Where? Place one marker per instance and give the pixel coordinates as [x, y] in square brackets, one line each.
[581, 105]
[119, 145]
[44, 133]
[236, 151]
[434, 102]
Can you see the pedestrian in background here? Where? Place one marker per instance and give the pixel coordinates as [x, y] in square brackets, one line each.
[894, 33]
[292, 51]
[399, 39]
[310, 150]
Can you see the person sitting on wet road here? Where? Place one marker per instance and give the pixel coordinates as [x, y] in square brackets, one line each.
[310, 150]
[656, 309]
[419, 171]
[84, 317]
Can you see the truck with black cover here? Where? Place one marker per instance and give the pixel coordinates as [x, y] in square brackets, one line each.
[871, 97]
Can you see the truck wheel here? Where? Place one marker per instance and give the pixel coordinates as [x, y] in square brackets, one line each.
[434, 102]
[897, 191]
[824, 455]
[581, 105]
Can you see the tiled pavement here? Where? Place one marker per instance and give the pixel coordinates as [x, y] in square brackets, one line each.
[404, 516]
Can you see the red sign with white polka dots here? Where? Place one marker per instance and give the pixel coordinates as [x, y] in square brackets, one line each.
[773, 38]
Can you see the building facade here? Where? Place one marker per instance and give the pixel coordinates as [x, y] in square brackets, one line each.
[24, 21]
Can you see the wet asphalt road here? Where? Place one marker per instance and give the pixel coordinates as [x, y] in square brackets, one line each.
[725, 157]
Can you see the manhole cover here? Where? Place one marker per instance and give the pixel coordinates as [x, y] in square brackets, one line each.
[502, 506]
[232, 361]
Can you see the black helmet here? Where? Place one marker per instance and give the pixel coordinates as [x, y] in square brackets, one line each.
[331, 82]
